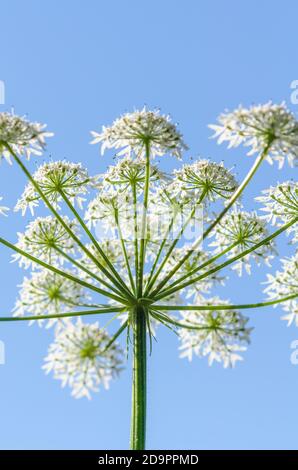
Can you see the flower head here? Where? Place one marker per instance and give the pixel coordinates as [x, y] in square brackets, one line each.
[242, 230]
[219, 334]
[133, 131]
[46, 239]
[3, 209]
[46, 293]
[207, 178]
[55, 178]
[266, 128]
[284, 282]
[79, 358]
[128, 174]
[281, 205]
[107, 209]
[22, 136]
[291, 309]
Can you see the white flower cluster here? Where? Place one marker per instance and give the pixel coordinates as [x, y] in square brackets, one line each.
[55, 178]
[129, 174]
[45, 238]
[133, 131]
[241, 230]
[204, 177]
[47, 293]
[21, 135]
[281, 205]
[285, 283]
[219, 334]
[79, 358]
[266, 128]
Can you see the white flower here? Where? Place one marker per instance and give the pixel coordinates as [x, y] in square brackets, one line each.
[281, 205]
[292, 316]
[128, 173]
[45, 238]
[284, 282]
[78, 358]
[132, 131]
[206, 177]
[244, 230]
[106, 210]
[3, 209]
[46, 293]
[271, 128]
[21, 135]
[53, 178]
[221, 334]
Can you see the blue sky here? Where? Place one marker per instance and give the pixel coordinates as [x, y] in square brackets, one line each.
[77, 65]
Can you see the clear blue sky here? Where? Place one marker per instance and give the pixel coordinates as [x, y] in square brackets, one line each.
[77, 65]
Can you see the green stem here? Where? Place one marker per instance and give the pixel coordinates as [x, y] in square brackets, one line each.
[115, 336]
[225, 307]
[139, 393]
[265, 241]
[65, 315]
[61, 273]
[232, 200]
[124, 251]
[144, 220]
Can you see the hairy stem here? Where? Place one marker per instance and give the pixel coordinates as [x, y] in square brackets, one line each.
[139, 386]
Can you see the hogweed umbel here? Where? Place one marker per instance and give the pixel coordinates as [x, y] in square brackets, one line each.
[130, 245]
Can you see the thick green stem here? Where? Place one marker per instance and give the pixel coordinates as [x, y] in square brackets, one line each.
[139, 393]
